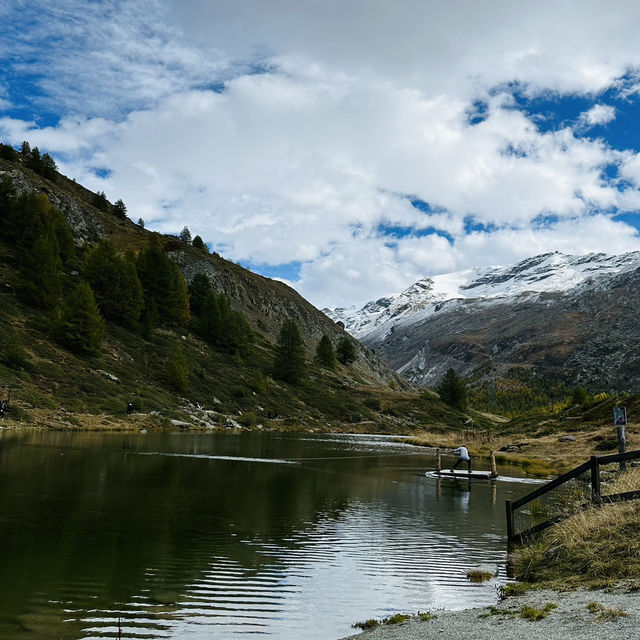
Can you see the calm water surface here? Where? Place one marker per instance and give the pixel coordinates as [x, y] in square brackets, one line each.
[225, 535]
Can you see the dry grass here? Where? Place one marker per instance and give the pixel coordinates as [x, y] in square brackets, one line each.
[538, 455]
[478, 576]
[604, 613]
[595, 545]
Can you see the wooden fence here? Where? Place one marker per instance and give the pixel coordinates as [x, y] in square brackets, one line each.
[593, 467]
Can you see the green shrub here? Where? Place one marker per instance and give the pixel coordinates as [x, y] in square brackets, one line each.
[372, 623]
[373, 404]
[425, 617]
[15, 357]
[531, 613]
[398, 618]
[238, 391]
[259, 383]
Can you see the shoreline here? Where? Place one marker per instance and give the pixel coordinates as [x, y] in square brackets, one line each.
[568, 619]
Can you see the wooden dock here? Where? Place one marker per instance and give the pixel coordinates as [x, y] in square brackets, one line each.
[464, 474]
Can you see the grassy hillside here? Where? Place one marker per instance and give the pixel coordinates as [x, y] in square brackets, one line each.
[61, 388]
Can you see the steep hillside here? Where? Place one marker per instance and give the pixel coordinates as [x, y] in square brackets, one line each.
[570, 317]
[62, 387]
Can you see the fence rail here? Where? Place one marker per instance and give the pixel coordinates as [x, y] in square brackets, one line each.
[588, 484]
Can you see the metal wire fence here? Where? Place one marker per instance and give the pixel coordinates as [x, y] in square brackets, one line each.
[619, 479]
[602, 479]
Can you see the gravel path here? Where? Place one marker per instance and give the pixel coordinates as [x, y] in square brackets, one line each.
[569, 621]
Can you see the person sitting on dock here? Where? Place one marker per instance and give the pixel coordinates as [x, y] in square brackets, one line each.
[463, 456]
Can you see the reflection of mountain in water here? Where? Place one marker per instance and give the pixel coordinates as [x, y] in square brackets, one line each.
[170, 543]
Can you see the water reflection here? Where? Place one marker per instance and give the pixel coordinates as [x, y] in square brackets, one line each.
[194, 536]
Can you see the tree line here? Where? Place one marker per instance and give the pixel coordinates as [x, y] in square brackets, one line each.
[43, 164]
[290, 364]
[137, 291]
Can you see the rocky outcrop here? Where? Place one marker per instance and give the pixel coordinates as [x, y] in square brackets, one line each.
[81, 217]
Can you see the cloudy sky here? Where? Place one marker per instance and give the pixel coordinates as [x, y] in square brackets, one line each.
[349, 147]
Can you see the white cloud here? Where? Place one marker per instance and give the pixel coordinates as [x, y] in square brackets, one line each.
[360, 106]
[452, 47]
[598, 114]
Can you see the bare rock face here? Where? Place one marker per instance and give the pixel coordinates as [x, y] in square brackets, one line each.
[80, 217]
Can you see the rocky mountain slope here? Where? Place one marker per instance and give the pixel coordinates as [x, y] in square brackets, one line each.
[265, 302]
[54, 386]
[574, 317]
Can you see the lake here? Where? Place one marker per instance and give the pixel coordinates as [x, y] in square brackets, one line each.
[231, 535]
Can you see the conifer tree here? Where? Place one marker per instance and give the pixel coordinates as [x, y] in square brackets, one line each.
[289, 364]
[453, 390]
[345, 351]
[177, 310]
[41, 273]
[163, 285]
[325, 354]
[209, 323]
[62, 232]
[34, 161]
[579, 395]
[7, 152]
[99, 201]
[119, 209]
[199, 289]
[80, 326]
[115, 283]
[48, 167]
[237, 335]
[198, 243]
[178, 370]
[185, 235]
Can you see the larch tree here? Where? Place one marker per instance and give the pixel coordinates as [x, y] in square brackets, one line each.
[453, 390]
[345, 351]
[79, 326]
[325, 353]
[289, 364]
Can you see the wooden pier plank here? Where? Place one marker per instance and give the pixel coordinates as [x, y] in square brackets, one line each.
[462, 474]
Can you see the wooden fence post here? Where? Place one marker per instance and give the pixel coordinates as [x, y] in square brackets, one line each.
[494, 470]
[622, 445]
[438, 461]
[507, 504]
[595, 479]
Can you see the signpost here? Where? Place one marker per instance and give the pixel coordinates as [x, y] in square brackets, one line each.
[620, 420]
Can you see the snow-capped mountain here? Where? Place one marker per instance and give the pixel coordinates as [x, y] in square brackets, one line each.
[546, 273]
[541, 312]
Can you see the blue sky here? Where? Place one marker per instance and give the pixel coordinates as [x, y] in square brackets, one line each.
[350, 147]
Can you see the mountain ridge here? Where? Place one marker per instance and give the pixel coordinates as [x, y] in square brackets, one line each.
[468, 319]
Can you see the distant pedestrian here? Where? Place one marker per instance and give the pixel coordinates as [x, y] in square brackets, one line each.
[130, 408]
[463, 456]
